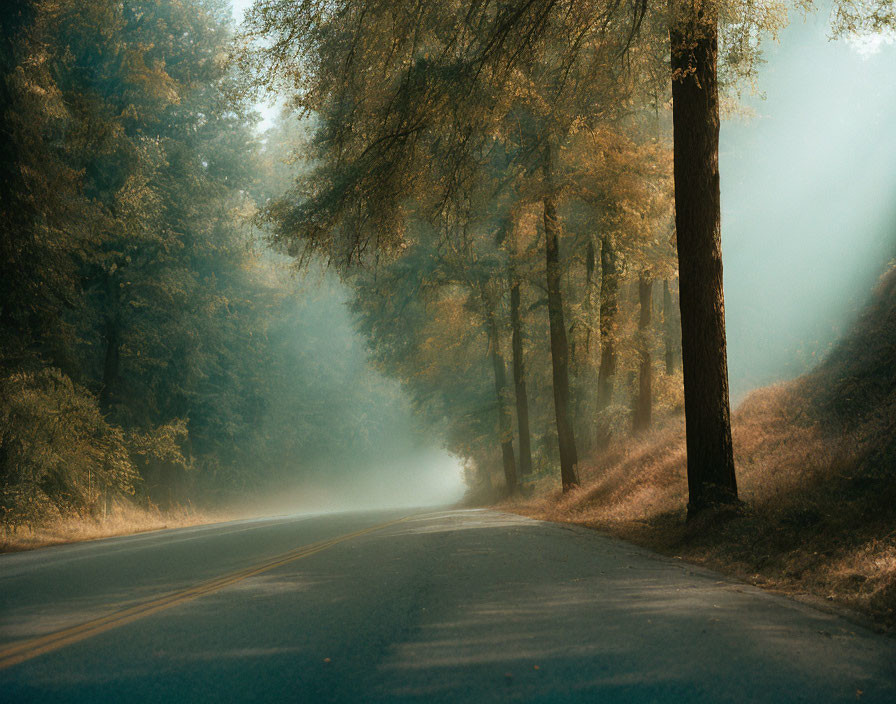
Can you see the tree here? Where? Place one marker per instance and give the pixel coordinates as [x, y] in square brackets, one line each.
[519, 378]
[431, 317]
[669, 328]
[644, 403]
[569, 460]
[502, 393]
[133, 306]
[694, 34]
[609, 306]
[411, 94]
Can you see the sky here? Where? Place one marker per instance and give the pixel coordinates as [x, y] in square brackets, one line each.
[808, 200]
[240, 7]
[267, 110]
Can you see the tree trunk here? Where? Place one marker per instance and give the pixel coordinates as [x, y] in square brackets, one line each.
[590, 262]
[644, 407]
[569, 472]
[111, 362]
[519, 379]
[584, 380]
[695, 118]
[668, 328]
[505, 421]
[609, 305]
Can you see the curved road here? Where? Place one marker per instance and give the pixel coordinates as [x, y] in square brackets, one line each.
[448, 606]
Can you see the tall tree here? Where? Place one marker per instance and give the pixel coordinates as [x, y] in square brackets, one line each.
[420, 102]
[502, 393]
[695, 117]
[669, 328]
[609, 306]
[569, 461]
[644, 403]
[519, 379]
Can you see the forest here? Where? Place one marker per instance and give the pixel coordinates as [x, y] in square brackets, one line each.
[491, 229]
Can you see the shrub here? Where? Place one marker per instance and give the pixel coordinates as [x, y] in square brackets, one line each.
[58, 455]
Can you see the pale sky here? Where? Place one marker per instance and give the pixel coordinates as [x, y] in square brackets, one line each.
[267, 110]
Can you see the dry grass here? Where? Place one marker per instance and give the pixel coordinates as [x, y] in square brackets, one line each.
[816, 463]
[819, 519]
[125, 519]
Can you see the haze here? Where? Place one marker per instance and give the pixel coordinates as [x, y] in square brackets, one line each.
[808, 214]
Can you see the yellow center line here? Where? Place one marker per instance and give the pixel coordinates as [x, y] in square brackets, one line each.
[18, 652]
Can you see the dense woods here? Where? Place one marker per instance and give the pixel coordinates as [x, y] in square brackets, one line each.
[522, 200]
[151, 347]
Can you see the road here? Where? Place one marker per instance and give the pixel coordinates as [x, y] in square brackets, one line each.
[442, 606]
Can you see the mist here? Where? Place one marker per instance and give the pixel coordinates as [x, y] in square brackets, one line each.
[807, 228]
[808, 213]
[362, 445]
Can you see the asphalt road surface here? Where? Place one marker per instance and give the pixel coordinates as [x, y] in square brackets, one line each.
[447, 606]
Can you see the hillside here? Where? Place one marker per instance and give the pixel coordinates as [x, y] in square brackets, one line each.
[816, 461]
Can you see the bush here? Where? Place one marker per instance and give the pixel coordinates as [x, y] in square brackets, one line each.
[58, 455]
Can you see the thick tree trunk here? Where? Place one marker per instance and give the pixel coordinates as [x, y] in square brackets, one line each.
[695, 117]
[668, 328]
[505, 420]
[519, 379]
[569, 471]
[609, 305]
[644, 407]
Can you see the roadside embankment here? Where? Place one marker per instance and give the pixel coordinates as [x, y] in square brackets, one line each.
[125, 519]
[816, 462]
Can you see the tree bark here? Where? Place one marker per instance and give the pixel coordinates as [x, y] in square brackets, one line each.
[111, 363]
[569, 461]
[695, 117]
[519, 379]
[590, 264]
[644, 407]
[584, 379]
[668, 328]
[609, 306]
[505, 421]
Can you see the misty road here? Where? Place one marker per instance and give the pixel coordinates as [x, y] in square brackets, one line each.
[469, 606]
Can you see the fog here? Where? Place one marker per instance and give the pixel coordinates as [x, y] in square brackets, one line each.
[396, 479]
[808, 207]
[381, 456]
[358, 441]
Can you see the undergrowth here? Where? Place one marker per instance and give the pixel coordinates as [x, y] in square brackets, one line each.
[124, 519]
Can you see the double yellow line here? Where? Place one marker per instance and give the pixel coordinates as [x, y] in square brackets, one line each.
[21, 651]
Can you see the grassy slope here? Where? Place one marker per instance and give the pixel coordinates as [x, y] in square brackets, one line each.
[816, 461]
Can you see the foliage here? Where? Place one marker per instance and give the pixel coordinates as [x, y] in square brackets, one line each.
[150, 345]
[58, 455]
[427, 176]
[491, 181]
